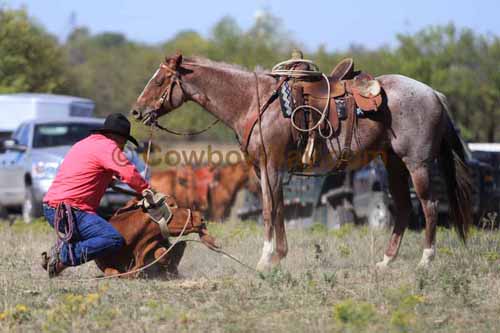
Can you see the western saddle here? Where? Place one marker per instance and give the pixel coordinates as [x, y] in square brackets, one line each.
[348, 94]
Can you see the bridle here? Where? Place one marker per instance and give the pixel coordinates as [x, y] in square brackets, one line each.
[166, 96]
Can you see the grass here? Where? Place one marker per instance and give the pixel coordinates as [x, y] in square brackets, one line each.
[327, 283]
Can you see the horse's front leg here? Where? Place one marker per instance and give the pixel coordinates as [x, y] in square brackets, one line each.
[272, 214]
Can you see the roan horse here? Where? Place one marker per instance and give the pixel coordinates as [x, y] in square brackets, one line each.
[411, 128]
[209, 189]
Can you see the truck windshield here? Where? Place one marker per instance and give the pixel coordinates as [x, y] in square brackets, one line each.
[61, 134]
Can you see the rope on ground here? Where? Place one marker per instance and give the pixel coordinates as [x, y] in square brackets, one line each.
[224, 253]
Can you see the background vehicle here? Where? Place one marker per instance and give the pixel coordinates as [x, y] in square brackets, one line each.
[30, 106]
[33, 156]
[489, 153]
[308, 200]
[362, 196]
[372, 198]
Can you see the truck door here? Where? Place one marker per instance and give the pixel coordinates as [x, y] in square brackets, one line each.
[12, 170]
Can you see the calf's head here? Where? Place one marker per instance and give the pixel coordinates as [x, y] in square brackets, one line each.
[185, 221]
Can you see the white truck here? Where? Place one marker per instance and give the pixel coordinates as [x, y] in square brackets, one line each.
[16, 108]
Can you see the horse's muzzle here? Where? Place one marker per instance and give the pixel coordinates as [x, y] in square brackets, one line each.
[146, 117]
[136, 114]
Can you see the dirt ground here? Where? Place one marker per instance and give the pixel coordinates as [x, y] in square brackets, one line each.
[327, 283]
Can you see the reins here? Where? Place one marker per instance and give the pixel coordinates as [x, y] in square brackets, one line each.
[165, 129]
[166, 96]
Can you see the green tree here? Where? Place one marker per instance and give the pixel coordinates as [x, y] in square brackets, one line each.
[465, 67]
[30, 59]
[109, 69]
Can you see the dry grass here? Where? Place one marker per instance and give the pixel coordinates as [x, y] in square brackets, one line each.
[327, 283]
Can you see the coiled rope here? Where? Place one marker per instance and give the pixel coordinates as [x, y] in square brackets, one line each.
[285, 68]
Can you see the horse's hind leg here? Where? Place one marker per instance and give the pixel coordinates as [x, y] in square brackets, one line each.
[398, 185]
[420, 176]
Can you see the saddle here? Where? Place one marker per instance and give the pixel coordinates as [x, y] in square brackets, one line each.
[347, 94]
[347, 91]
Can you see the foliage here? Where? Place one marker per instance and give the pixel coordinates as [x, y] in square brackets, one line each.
[112, 70]
[355, 314]
[332, 293]
[30, 59]
[16, 315]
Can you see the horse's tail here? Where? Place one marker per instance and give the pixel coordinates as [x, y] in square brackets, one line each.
[452, 162]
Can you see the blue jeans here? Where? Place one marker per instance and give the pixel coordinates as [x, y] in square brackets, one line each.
[93, 237]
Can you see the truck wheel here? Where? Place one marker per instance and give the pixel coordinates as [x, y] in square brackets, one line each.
[3, 212]
[379, 213]
[31, 209]
[342, 213]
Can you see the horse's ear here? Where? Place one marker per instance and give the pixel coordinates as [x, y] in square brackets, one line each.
[178, 59]
[175, 61]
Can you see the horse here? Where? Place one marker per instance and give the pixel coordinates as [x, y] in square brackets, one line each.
[411, 128]
[206, 188]
[145, 242]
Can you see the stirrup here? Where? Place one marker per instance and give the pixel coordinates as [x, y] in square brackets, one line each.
[307, 157]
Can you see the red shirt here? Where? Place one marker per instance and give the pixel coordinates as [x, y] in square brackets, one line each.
[87, 170]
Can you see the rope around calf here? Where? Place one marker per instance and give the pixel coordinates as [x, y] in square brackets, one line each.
[140, 269]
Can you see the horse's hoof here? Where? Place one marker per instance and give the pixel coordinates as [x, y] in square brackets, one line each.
[381, 265]
[275, 261]
[264, 266]
[427, 256]
[384, 264]
[424, 263]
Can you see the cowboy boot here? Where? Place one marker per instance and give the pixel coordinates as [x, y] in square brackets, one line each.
[51, 263]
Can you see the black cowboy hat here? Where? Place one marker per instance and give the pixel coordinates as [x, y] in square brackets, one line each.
[118, 124]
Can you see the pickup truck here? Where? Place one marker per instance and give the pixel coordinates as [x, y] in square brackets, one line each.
[490, 153]
[362, 196]
[19, 107]
[32, 157]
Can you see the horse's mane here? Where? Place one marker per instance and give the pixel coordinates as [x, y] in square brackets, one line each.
[219, 64]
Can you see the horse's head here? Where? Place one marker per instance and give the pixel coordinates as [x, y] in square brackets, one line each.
[163, 93]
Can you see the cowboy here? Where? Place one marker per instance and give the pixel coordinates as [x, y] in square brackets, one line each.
[73, 198]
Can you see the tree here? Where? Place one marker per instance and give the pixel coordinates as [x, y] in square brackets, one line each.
[30, 59]
[109, 69]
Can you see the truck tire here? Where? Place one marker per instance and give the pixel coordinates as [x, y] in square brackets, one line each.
[379, 214]
[30, 209]
[340, 214]
[3, 212]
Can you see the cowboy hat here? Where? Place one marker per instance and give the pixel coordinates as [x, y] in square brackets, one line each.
[117, 123]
